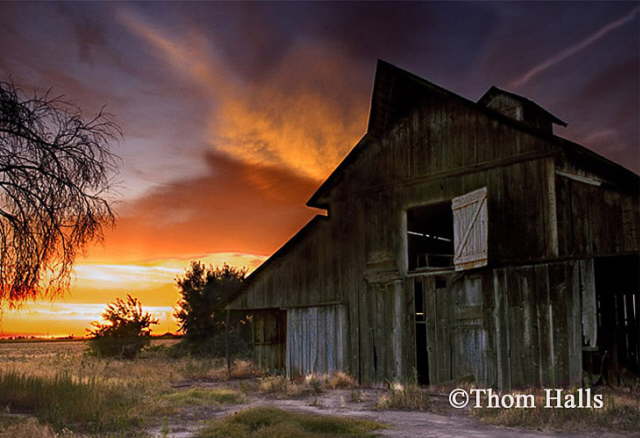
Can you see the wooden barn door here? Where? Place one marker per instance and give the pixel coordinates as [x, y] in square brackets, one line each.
[468, 338]
[438, 324]
[455, 340]
[470, 229]
[315, 340]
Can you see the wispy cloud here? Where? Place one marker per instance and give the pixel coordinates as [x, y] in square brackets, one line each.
[572, 50]
[302, 114]
[152, 274]
[43, 311]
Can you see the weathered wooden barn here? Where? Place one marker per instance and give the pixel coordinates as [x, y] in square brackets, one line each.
[460, 239]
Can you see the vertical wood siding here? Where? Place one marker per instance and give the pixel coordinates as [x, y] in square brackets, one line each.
[315, 340]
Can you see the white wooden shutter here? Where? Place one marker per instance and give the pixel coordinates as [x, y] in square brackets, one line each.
[470, 225]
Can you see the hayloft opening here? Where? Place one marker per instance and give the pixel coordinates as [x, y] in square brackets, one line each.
[430, 236]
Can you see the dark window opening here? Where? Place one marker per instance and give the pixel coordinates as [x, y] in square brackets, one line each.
[430, 236]
[618, 318]
[422, 359]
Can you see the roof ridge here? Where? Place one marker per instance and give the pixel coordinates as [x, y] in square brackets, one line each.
[559, 141]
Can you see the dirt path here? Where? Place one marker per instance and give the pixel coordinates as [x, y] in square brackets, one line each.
[402, 424]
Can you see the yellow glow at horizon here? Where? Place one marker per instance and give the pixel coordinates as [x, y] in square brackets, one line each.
[96, 285]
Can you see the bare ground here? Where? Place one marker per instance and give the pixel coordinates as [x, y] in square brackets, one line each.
[441, 421]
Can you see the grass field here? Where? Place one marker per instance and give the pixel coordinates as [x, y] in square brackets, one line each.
[54, 389]
[68, 390]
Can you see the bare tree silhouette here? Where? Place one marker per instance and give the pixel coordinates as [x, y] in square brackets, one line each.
[56, 169]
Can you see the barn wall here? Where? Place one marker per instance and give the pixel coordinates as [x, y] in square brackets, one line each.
[508, 327]
[307, 275]
[596, 220]
[535, 315]
[446, 149]
[538, 313]
[443, 137]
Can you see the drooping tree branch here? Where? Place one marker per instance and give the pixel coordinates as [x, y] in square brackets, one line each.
[56, 170]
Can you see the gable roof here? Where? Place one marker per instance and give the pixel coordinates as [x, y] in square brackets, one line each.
[495, 91]
[396, 92]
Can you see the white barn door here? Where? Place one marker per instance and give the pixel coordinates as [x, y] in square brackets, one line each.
[470, 230]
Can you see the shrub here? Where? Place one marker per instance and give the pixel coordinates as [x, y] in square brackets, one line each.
[204, 397]
[125, 332]
[266, 422]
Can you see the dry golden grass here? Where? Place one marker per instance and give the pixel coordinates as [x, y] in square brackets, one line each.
[244, 369]
[281, 387]
[44, 359]
[409, 397]
[152, 376]
[340, 380]
[31, 428]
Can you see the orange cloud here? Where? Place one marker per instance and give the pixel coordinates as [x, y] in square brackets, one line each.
[303, 114]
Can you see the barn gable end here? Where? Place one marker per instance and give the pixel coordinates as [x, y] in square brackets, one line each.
[460, 240]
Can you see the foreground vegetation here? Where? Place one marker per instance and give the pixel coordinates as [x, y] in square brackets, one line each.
[56, 390]
[266, 422]
[68, 390]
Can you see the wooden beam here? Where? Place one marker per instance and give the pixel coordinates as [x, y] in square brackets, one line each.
[580, 178]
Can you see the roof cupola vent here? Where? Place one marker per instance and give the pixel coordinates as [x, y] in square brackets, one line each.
[520, 108]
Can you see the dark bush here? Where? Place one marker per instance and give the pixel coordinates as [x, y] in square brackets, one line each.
[204, 294]
[125, 332]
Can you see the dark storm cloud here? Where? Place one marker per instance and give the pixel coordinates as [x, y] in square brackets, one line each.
[233, 207]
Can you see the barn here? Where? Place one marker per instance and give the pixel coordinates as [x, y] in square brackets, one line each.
[458, 239]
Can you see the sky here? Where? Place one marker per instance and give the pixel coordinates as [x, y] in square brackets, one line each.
[234, 113]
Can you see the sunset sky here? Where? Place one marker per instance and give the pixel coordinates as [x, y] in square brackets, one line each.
[234, 113]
